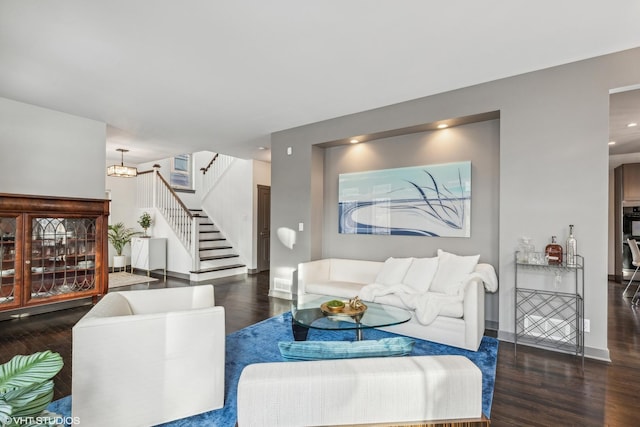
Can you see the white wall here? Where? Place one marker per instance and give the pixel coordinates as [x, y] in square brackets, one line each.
[229, 204]
[232, 205]
[49, 153]
[611, 264]
[122, 208]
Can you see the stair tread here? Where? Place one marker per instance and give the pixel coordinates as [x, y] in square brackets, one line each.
[211, 258]
[209, 231]
[216, 248]
[217, 239]
[224, 267]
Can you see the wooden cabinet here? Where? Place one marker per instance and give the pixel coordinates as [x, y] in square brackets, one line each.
[51, 250]
[630, 180]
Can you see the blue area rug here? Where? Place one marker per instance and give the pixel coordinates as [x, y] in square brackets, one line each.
[259, 343]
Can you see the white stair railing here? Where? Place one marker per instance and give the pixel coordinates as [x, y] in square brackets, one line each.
[153, 191]
[213, 171]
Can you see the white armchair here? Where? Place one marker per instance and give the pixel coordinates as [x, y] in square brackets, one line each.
[147, 357]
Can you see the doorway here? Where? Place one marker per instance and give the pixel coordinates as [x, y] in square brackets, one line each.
[264, 228]
[624, 149]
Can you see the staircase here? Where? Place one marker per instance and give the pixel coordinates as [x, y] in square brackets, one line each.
[212, 256]
[217, 257]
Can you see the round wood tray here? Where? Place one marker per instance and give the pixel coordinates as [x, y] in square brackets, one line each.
[344, 311]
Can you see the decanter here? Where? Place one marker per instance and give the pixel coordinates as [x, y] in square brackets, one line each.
[553, 252]
[571, 248]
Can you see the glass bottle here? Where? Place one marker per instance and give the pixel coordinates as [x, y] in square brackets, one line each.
[571, 248]
[553, 252]
[525, 249]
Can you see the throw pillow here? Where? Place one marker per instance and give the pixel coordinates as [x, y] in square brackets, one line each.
[393, 271]
[421, 273]
[452, 272]
[317, 350]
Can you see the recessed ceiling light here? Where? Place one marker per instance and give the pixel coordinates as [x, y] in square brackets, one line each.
[262, 148]
[354, 141]
[443, 125]
[630, 125]
[612, 143]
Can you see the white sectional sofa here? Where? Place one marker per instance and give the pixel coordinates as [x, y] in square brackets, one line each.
[360, 391]
[444, 293]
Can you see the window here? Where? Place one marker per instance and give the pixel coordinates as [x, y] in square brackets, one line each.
[181, 172]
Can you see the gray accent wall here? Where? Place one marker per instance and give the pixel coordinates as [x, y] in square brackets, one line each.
[478, 143]
[553, 166]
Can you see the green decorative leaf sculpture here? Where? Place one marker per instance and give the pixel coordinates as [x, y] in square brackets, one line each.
[26, 385]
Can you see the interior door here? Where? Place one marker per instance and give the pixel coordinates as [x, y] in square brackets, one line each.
[264, 227]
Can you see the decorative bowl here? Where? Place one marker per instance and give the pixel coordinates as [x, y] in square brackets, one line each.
[335, 306]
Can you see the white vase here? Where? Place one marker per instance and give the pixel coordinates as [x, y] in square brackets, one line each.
[119, 261]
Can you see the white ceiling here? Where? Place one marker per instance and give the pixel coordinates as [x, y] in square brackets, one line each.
[173, 76]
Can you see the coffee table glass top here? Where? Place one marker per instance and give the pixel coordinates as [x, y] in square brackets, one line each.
[306, 312]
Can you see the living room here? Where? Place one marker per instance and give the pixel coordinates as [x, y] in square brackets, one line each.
[537, 159]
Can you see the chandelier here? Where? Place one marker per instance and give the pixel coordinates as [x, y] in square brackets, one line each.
[121, 170]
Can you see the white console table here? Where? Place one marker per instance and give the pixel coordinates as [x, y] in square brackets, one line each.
[149, 253]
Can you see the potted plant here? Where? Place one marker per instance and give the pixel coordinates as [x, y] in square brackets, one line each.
[145, 222]
[26, 387]
[119, 235]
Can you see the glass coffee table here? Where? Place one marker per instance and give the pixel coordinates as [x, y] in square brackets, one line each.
[307, 314]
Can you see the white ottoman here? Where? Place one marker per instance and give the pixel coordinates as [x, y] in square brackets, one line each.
[359, 391]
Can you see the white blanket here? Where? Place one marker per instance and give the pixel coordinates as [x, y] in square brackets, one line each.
[487, 274]
[427, 305]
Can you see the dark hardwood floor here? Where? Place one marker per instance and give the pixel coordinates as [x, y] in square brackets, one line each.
[539, 388]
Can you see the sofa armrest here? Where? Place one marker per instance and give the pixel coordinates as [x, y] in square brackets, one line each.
[473, 309]
[148, 336]
[170, 299]
[313, 271]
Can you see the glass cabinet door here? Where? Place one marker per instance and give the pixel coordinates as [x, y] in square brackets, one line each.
[60, 256]
[10, 267]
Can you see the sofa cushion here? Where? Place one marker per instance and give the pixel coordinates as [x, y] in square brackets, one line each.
[452, 271]
[335, 288]
[393, 271]
[354, 270]
[317, 350]
[421, 273]
[452, 309]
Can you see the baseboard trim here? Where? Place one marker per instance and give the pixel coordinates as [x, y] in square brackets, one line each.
[280, 294]
[491, 325]
[601, 354]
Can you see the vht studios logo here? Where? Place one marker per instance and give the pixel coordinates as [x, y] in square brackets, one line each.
[46, 421]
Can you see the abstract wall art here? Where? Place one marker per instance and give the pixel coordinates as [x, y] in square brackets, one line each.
[432, 200]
